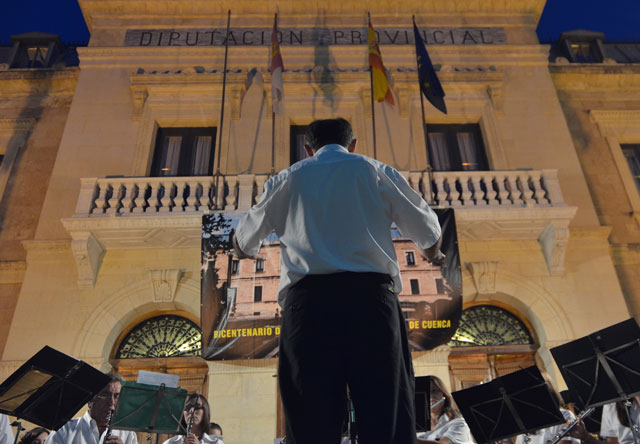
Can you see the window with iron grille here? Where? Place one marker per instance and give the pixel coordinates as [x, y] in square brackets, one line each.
[259, 265]
[235, 266]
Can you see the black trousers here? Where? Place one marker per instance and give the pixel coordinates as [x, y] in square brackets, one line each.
[346, 329]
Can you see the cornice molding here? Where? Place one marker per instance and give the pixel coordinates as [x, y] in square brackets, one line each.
[625, 254]
[20, 83]
[589, 80]
[12, 272]
[346, 57]
[45, 250]
[13, 125]
[193, 9]
[613, 123]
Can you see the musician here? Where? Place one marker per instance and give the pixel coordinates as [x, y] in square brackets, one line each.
[6, 433]
[37, 435]
[542, 436]
[342, 324]
[92, 428]
[609, 424]
[617, 422]
[195, 421]
[447, 424]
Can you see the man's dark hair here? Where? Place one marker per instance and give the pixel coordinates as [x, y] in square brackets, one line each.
[328, 131]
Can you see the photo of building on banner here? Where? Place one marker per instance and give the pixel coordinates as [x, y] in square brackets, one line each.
[239, 310]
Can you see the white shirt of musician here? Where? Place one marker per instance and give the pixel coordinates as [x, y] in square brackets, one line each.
[543, 435]
[455, 429]
[610, 425]
[6, 433]
[84, 430]
[333, 212]
[206, 439]
[625, 434]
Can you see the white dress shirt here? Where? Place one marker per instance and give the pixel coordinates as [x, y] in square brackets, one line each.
[333, 212]
[84, 430]
[610, 425]
[455, 429]
[543, 435]
[625, 434]
[6, 433]
[206, 439]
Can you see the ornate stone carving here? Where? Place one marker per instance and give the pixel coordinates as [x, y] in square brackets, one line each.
[140, 96]
[88, 253]
[165, 284]
[484, 276]
[553, 242]
[495, 94]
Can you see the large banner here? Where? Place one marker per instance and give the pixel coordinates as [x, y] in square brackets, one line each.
[241, 317]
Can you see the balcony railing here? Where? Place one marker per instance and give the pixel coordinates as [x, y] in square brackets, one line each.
[144, 196]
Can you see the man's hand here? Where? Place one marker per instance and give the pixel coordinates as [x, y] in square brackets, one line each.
[435, 259]
[191, 439]
[113, 439]
[433, 255]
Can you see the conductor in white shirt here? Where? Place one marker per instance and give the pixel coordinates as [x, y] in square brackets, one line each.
[342, 323]
[91, 428]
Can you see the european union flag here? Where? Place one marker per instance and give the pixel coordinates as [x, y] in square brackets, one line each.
[429, 83]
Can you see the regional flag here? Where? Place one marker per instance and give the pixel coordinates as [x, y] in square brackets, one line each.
[381, 90]
[429, 83]
[277, 87]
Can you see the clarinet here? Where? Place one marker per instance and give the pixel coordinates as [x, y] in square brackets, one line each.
[564, 433]
[109, 418]
[190, 423]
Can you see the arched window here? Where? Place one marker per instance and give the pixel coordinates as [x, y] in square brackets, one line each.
[164, 336]
[490, 342]
[488, 325]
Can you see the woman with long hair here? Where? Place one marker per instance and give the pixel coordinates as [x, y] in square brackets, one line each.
[447, 424]
[195, 419]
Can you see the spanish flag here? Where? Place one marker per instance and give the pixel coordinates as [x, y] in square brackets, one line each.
[381, 90]
[277, 86]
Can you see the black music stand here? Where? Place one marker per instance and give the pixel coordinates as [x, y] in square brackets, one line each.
[517, 403]
[604, 366]
[149, 408]
[422, 403]
[50, 388]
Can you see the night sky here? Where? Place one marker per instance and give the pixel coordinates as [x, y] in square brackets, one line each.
[618, 19]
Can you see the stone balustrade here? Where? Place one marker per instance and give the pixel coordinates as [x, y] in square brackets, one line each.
[144, 196]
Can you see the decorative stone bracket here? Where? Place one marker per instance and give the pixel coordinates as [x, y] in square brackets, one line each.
[88, 253]
[484, 276]
[553, 242]
[165, 284]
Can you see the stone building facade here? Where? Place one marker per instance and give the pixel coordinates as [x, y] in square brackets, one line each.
[115, 237]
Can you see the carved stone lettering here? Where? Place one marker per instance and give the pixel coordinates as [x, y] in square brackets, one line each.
[312, 36]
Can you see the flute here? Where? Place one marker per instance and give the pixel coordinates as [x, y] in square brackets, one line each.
[559, 436]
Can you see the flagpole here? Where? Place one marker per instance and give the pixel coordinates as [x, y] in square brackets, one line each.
[273, 120]
[424, 128]
[373, 111]
[224, 87]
